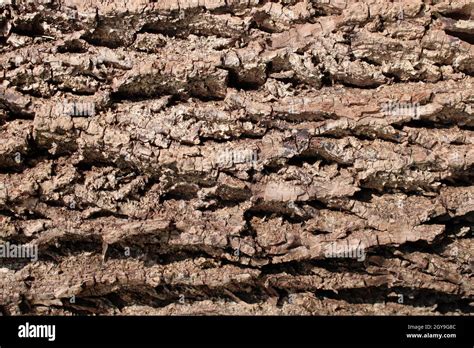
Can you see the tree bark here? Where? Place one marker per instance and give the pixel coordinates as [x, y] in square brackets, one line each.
[237, 157]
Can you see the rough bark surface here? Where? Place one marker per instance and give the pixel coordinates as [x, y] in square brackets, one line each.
[201, 156]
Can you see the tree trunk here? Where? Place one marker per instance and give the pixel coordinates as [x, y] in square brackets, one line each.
[236, 157]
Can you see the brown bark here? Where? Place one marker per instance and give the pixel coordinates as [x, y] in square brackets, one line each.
[237, 157]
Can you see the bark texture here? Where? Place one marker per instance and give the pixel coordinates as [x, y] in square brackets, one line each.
[220, 156]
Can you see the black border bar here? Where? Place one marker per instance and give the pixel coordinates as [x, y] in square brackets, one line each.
[215, 330]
